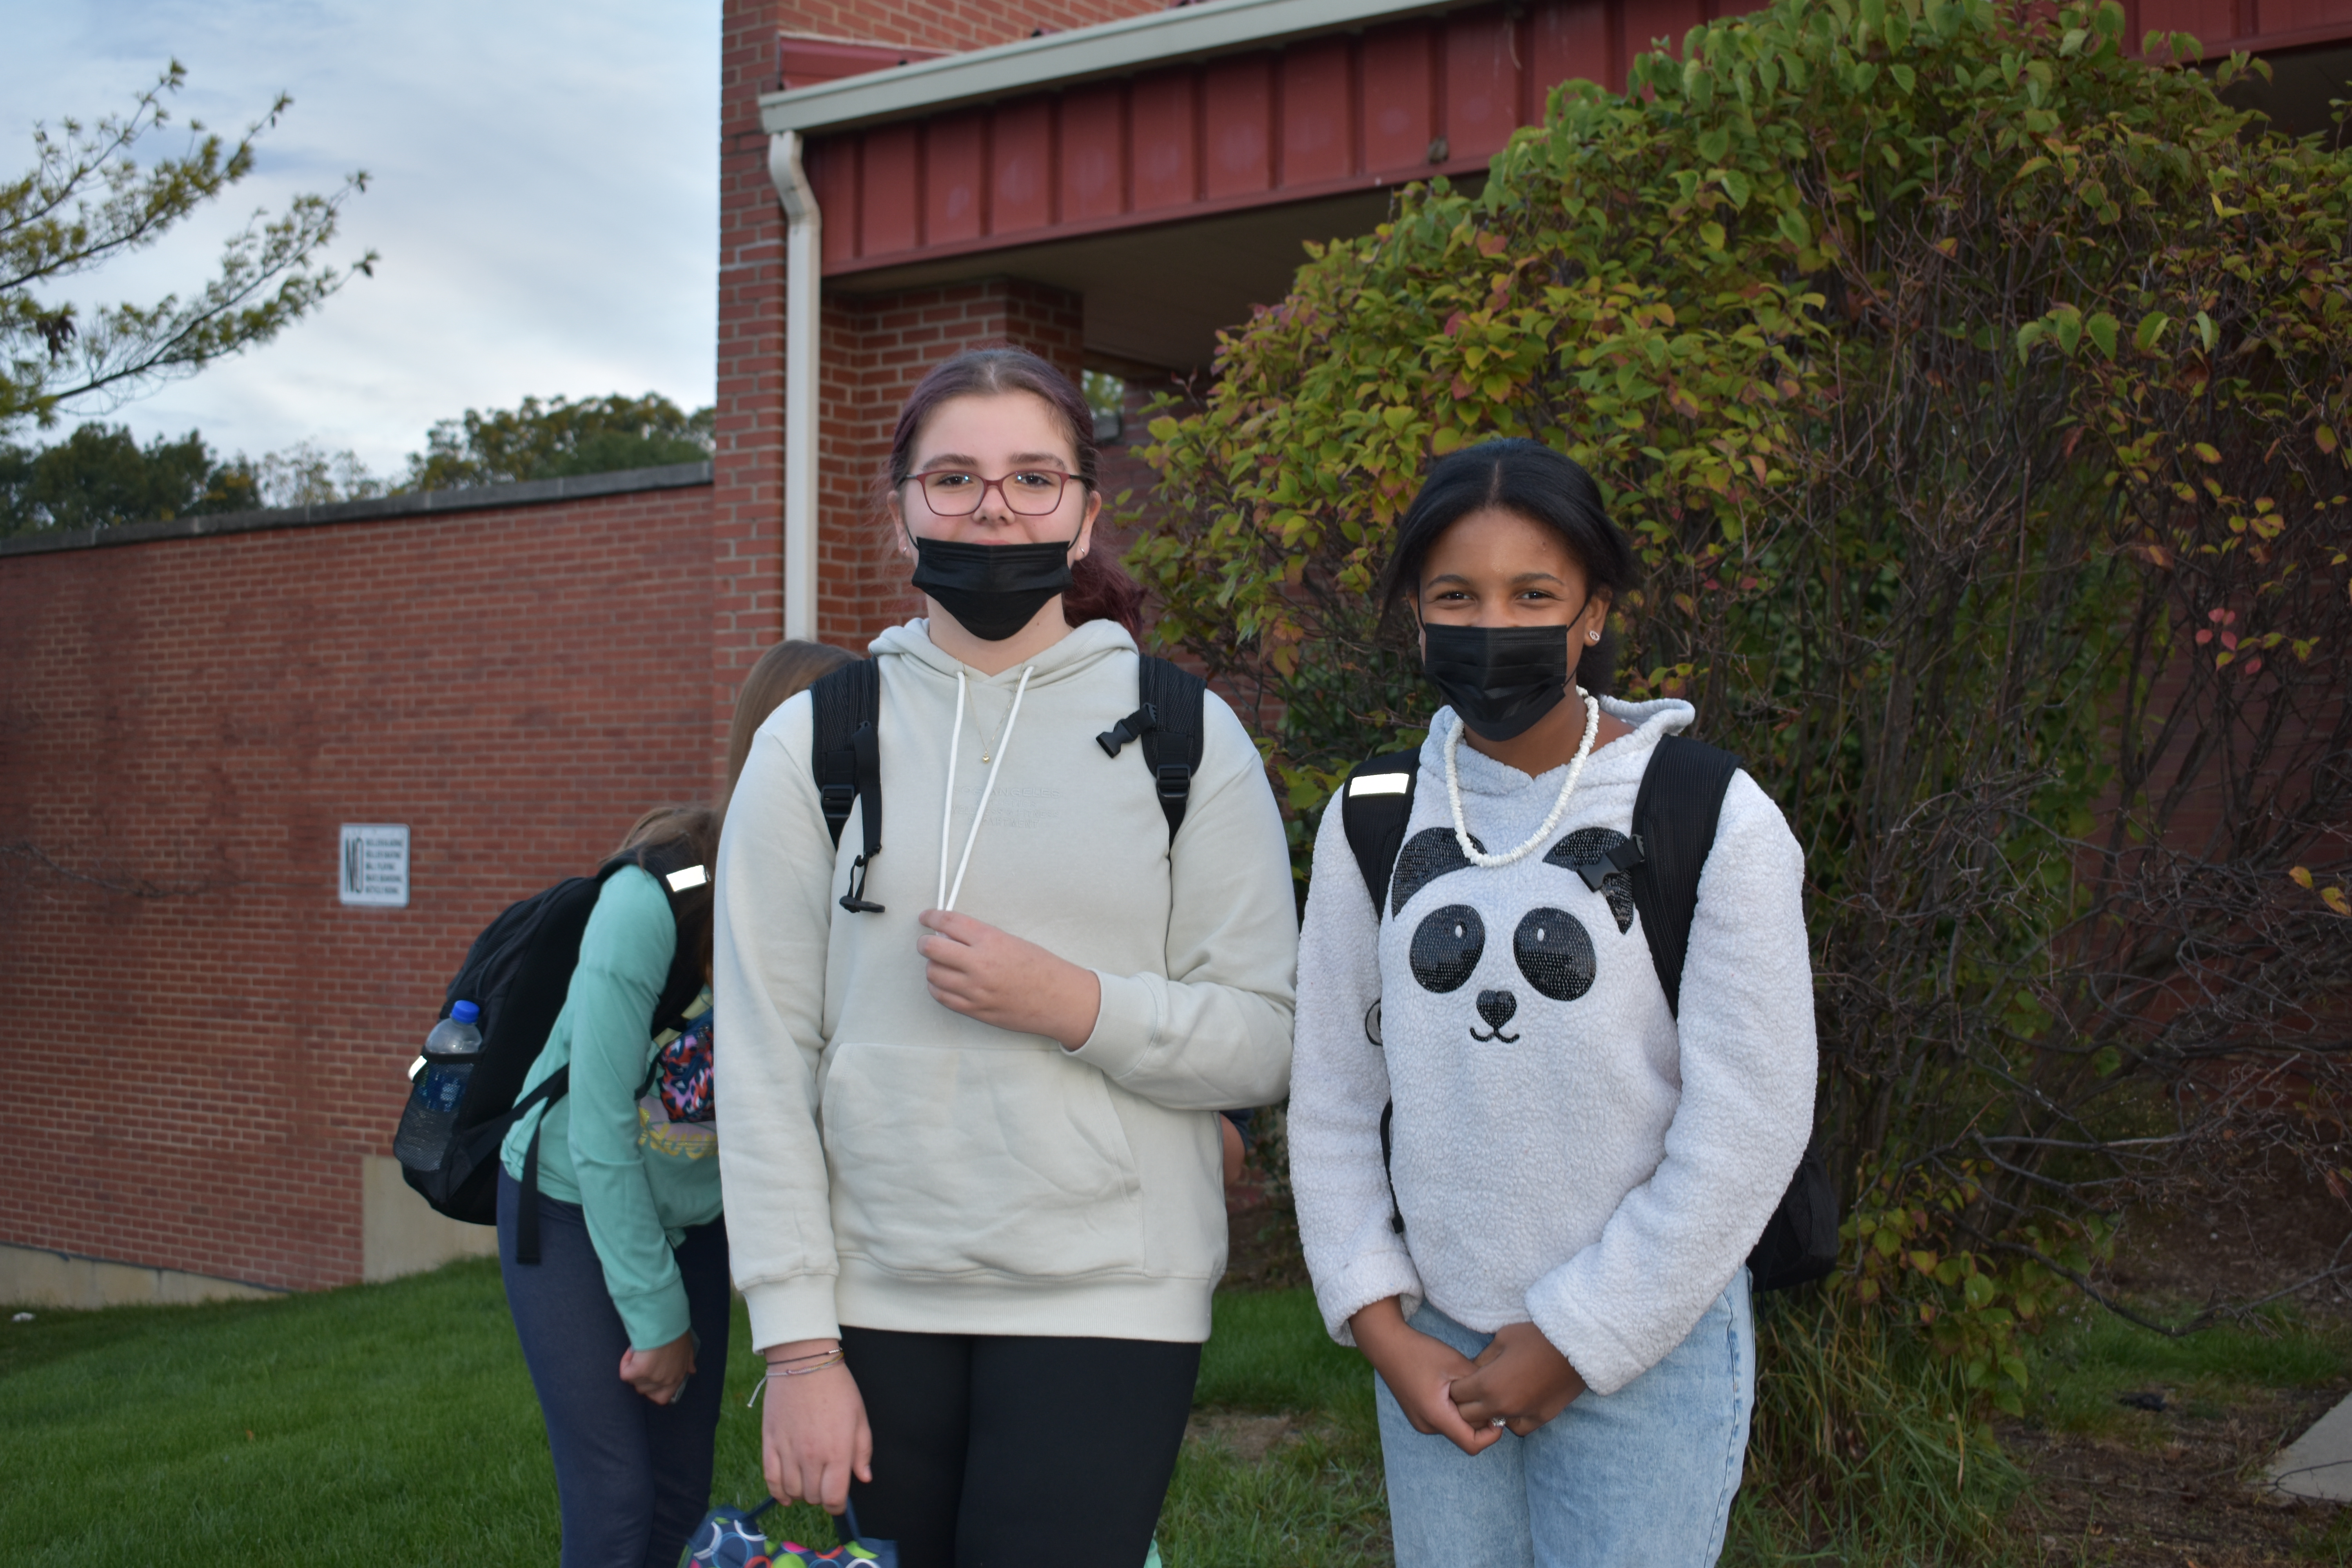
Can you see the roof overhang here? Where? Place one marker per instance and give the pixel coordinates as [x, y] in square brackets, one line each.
[1063, 60]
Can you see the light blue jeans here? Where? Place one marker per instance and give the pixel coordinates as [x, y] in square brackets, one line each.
[1639, 1479]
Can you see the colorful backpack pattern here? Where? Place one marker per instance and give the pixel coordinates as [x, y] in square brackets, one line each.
[675, 1108]
[731, 1538]
[682, 1069]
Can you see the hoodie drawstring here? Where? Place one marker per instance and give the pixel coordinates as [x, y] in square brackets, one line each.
[948, 895]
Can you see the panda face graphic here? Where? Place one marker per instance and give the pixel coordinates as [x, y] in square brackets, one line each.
[1552, 953]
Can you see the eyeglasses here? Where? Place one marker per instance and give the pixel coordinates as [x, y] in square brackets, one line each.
[1027, 492]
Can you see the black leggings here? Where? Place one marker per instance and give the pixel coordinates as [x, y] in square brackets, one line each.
[1004, 1451]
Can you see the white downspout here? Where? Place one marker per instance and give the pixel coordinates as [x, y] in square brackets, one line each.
[803, 259]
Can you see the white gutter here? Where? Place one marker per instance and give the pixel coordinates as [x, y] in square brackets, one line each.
[1059, 59]
[803, 256]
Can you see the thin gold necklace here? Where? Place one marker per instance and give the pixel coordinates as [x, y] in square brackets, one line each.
[989, 750]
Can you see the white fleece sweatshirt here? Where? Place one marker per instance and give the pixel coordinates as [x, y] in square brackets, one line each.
[891, 1164]
[1563, 1153]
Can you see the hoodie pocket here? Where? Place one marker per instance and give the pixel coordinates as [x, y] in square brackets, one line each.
[947, 1161]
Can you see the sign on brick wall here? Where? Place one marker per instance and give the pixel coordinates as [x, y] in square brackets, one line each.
[375, 869]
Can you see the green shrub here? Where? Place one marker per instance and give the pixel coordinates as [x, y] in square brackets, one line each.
[1971, 388]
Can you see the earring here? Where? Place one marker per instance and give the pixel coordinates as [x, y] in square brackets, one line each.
[1593, 637]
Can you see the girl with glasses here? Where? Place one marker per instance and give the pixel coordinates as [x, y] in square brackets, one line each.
[969, 1135]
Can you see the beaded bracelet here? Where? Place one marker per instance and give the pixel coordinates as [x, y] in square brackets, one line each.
[821, 1361]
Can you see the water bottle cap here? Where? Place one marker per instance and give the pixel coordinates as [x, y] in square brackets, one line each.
[465, 1013]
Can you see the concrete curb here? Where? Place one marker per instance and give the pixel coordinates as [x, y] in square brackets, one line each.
[2318, 1464]
[43, 1277]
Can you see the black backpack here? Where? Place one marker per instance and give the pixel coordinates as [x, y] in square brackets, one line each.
[518, 972]
[846, 757]
[1674, 818]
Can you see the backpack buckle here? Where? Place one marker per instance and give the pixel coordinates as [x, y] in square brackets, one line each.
[1175, 781]
[836, 800]
[1597, 870]
[855, 900]
[1134, 727]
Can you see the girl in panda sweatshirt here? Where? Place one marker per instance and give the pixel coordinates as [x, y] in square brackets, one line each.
[1559, 1328]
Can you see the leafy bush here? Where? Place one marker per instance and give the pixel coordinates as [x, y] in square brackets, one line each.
[557, 439]
[1971, 388]
[101, 477]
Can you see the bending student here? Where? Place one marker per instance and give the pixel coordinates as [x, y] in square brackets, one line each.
[624, 1314]
[969, 1129]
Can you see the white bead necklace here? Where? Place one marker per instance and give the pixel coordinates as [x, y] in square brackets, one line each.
[1478, 856]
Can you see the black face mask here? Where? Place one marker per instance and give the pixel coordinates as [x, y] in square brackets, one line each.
[1500, 679]
[991, 590]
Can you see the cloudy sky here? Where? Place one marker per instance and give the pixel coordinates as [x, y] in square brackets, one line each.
[543, 195]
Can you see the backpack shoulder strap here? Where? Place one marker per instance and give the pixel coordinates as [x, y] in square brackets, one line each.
[845, 756]
[686, 888]
[1171, 697]
[1375, 804]
[1675, 817]
[1375, 808]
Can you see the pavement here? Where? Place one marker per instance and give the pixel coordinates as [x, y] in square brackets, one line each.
[2318, 1464]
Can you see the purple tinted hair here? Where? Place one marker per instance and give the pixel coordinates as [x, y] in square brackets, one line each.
[987, 373]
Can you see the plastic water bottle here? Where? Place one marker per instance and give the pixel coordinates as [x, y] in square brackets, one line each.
[455, 1037]
[440, 1075]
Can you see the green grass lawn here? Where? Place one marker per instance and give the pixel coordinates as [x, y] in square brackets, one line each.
[383, 1424]
[393, 1424]
[2090, 1361]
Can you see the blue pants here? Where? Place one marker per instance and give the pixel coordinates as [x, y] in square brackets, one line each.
[1642, 1478]
[633, 1477]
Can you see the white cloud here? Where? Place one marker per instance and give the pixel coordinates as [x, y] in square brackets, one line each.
[543, 195]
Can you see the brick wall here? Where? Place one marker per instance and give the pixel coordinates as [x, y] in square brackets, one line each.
[748, 502]
[953, 24]
[746, 604]
[203, 1041]
[215, 1042]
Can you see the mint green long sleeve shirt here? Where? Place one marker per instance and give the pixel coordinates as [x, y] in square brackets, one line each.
[639, 1189]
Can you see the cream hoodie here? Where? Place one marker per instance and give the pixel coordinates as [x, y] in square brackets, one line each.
[891, 1164]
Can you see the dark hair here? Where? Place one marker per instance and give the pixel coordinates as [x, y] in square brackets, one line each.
[784, 672]
[987, 372]
[698, 827]
[1101, 590]
[1529, 478]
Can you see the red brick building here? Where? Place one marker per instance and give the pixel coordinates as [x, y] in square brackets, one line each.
[210, 1040]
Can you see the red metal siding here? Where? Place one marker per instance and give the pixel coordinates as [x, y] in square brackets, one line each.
[1646, 22]
[1021, 174]
[1482, 85]
[1237, 104]
[1398, 101]
[1318, 113]
[832, 168]
[1160, 119]
[1399, 117]
[890, 192]
[1572, 42]
[1342, 113]
[2303, 15]
[955, 184]
[2207, 19]
[1094, 154]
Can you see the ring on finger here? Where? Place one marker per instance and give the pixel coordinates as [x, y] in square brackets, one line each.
[1498, 1421]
